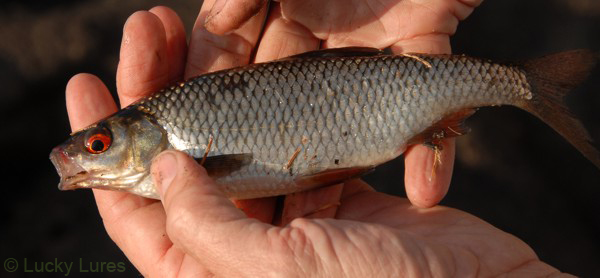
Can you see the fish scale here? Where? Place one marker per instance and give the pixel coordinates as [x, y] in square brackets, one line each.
[315, 119]
[348, 111]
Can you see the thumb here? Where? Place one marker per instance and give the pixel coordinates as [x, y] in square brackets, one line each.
[201, 220]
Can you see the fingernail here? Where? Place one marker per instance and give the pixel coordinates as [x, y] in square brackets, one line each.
[165, 170]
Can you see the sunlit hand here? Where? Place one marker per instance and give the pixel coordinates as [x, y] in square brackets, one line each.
[154, 52]
[374, 235]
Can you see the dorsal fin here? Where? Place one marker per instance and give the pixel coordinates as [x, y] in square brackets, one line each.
[352, 51]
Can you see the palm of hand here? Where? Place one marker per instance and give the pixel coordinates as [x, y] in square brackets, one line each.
[373, 233]
[429, 241]
[439, 239]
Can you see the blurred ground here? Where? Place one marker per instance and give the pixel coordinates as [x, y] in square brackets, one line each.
[512, 170]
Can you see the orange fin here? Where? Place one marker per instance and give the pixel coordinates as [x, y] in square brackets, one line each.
[330, 177]
[223, 165]
[451, 125]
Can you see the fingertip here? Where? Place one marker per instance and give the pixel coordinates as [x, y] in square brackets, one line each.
[163, 12]
[82, 77]
[282, 38]
[209, 52]
[425, 184]
[88, 100]
[164, 169]
[227, 16]
[143, 57]
[176, 41]
[431, 43]
[174, 172]
[209, 23]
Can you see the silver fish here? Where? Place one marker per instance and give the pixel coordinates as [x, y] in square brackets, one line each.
[315, 119]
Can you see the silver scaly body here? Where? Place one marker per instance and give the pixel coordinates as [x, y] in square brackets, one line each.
[337, 112]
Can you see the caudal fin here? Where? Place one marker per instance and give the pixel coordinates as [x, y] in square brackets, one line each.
[551, 78]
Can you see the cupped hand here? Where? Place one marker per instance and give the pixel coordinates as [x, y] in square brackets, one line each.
[374, 235]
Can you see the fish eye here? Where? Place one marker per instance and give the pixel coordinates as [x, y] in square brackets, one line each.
[99, 141]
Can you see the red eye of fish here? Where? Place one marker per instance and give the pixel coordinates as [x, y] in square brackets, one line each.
[98, 143]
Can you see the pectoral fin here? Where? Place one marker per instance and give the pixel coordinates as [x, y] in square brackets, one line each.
[222, 165]
[330, 177]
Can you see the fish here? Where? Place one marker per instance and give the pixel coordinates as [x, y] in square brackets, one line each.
[315, 119]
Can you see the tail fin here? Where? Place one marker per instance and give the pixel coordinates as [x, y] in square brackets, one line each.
[551, 78]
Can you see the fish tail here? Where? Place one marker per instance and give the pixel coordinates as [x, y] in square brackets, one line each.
[551, 78]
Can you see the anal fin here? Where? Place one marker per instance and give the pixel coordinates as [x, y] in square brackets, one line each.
[452, 125]
[332, 176]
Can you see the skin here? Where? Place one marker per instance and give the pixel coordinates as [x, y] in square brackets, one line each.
[347, 229]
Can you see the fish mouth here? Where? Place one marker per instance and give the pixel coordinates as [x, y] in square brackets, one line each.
[73, 176]
[70, 173]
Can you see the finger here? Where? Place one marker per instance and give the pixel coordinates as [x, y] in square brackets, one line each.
[318, 203]
[429, 43]
[88, 100]
[176, 42]
[438, 20]
[202, 222]
[143, 66]
[283, 38]
[209, 52]
[425, 184]
[228, 15]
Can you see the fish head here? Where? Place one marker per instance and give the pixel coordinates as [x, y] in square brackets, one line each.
[115, 153]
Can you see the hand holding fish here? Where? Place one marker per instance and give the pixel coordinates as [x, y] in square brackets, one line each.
[154, 53]
[373, 235]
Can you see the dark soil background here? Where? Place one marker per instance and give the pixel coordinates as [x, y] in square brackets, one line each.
[511, 170]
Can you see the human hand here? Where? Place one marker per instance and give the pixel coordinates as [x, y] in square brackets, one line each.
[153, 55]
[374, 235]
